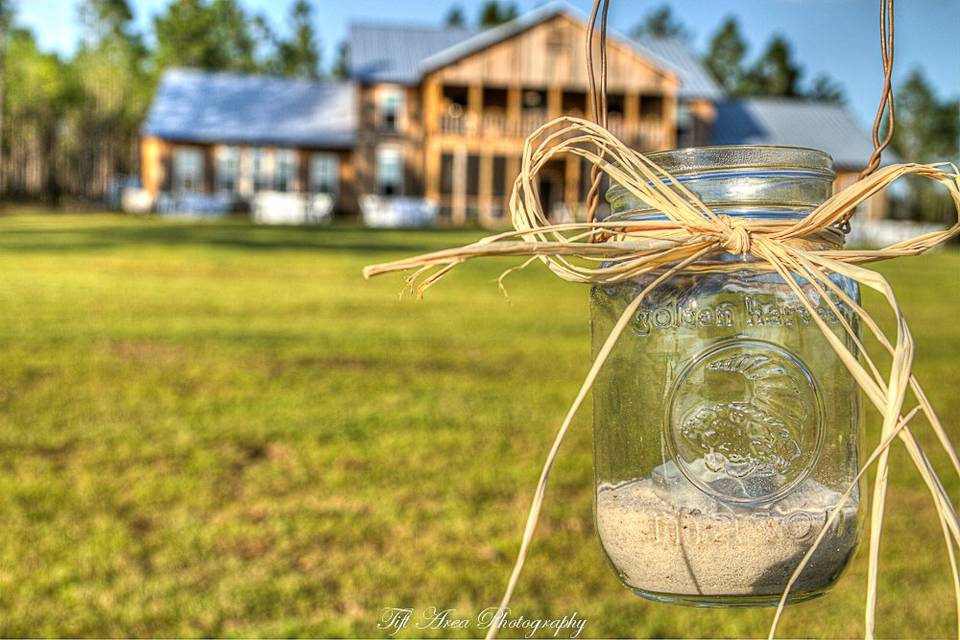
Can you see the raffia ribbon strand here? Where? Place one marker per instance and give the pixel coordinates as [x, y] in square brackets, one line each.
[691, 231]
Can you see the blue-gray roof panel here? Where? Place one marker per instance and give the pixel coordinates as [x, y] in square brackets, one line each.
[794, 122]
[481, 40]
[676, 56]
[392, 53]
[202, 106]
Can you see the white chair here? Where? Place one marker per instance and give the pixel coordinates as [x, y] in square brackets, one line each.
[136, 200]
[277, 207]
[391, 212]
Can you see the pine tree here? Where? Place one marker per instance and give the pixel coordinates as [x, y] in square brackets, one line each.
[111, 97]
[660, 23]
[206, 34]
[455, 18]
[825, 89]
[774, 74]
[492, 13]
[6, 21]
[725, 56]
[927, 130]
[300, 55]
[341, 64]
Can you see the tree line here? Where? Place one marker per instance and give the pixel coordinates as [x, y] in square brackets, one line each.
[69, 125]
[927, 125]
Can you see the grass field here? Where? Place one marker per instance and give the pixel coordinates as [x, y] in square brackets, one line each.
[216, 429]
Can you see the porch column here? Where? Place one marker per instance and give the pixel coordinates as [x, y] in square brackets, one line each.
[485, 213]
[432, 171]
[513, 170]
[432, 102]
[631, 117]
[474, 107]
[458, 215]
[554, 102]
[670, 121]
[514, 107]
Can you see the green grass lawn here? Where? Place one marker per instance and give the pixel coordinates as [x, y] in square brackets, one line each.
[216, 429]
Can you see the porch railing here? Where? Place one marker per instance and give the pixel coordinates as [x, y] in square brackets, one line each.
[648, 133]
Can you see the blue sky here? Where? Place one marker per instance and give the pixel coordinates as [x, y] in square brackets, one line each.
[834, 36]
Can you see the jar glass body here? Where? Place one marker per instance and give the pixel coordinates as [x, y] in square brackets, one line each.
[725, 426]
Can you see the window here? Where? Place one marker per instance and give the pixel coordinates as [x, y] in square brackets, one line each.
[446, 174]
[285, 170]
[389, 171]
[473, 175]
[616, 104]
[391, 110]
[685, 126]
[325, 173]
[455, 99]
[494, 98]
[651, 106]
[574, 102]
[499, 176]
[188, 170]
[261, 172]
[228, 169]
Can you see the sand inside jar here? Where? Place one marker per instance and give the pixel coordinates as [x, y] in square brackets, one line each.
[709, 548]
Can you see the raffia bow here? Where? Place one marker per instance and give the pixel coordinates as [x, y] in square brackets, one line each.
[617, 251]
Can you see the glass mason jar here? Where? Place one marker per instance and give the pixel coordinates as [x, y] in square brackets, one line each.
[725, 426]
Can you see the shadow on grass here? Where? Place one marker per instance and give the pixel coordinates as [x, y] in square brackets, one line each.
[99, 235]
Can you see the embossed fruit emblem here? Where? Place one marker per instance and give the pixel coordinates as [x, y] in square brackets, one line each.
[745, 421]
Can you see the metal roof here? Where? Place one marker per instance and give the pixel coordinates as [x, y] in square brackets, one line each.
[676, 56]
[402, 54]
[488, 37]
[203, 106]
[393, 53]
[795, 122]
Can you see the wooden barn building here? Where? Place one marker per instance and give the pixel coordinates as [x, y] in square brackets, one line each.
[442, 114]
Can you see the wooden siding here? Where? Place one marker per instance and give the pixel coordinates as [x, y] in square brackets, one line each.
[547, 58]
[551, 54]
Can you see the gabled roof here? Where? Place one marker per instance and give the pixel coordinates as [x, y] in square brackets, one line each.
[795, 122]
[402, 54]
[676, 56]
[488, 37]
[393, 53]
[203, 106]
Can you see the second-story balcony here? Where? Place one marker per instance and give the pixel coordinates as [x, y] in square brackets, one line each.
[644, 133]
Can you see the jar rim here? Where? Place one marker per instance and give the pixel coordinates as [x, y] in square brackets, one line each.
[705, 169]
[688, 160]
